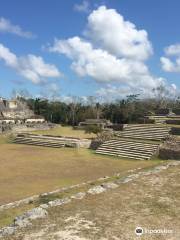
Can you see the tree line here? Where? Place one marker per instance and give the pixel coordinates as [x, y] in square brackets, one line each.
[127, 110]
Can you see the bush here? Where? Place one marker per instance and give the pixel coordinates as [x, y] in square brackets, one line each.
[175, 131]
[162, 111]
[93, 129]
[117, 127]
[95, 144]
[176, 111]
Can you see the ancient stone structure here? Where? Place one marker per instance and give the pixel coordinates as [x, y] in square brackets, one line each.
[133, 141]
[17, 112]
[51, 141]
[164, 115]
[128, 149]
[99, 122]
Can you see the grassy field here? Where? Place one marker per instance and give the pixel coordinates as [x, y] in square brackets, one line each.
[65, 131]
[27, 170]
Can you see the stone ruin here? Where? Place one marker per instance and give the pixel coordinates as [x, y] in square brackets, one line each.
[15, 113]
[103, 123]
[170, 149]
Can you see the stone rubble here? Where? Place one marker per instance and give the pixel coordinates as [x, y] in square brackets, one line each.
[79, 195]
[23, 221]
[109, 185]
[59, 202]
[96, 190]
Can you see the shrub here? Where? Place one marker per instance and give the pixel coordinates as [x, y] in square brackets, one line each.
[162, 111]
[175, 131]
[93, 129]
[117, 127]
[176, 111]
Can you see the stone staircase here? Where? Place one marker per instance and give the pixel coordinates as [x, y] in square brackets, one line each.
[128, 148]
[144, 131]
[45, 141]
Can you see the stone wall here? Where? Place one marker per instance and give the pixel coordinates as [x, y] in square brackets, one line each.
[170, 149]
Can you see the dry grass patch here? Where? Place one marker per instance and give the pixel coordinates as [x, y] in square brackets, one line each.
[151, 202]
[28, 170]
[66, 131]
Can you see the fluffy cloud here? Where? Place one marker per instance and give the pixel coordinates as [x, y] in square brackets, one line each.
[108, 28]
[169, 65]
[83, 7]
[173, 50]
[7, 26]
[111, 93]
[112, 51]
[101, 65]
[31, 67]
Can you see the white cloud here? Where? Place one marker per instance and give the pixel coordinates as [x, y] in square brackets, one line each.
[112, 51]
[108, 28]
[173, 50]
[169, 65]
[7, 27]
[50, 91]
[31, 67]
[111, 93]
[102, 66]
[82, 7]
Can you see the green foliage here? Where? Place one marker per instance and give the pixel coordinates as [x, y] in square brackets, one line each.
[93, 129]
[127, 110]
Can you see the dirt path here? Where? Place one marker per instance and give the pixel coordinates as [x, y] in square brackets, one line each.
[151, 202]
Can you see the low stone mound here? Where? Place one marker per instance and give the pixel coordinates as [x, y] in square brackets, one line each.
[170, 149]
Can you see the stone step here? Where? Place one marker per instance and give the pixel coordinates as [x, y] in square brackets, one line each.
[26, 140]
[122, 154]
[132, 141]
[147, 138]
[126, 141]
[145, 127]
[144, 136]
[126, 150]
[129, 157]
[39, 143]
[144, 131]
[157, 127]
[40, 139]
[125, 146]
[42, 144]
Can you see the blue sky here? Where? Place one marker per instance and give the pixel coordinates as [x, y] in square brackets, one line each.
[62, 71]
